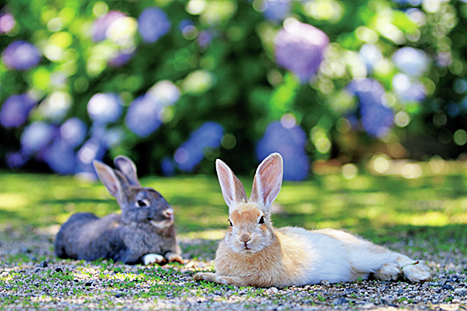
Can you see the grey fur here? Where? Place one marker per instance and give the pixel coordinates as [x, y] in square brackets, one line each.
[138, 231]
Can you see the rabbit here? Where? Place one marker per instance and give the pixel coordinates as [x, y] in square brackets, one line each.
[253, 253]
[143, 233]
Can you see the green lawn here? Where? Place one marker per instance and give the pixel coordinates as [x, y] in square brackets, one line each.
[381, 208]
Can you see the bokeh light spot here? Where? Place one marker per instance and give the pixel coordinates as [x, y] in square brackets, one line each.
[228, 141]
[100, 8]
[288, 121]
[380, 163]
[412, 171]
[196, 7]
[460, 137]
[402, 119]
[349, 171]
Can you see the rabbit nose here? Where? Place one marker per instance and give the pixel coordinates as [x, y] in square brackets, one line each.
[168, 213]
[245, 237]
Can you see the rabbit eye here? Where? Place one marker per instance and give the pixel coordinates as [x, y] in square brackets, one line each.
[141, 203]
[261, 220]
[230, 222]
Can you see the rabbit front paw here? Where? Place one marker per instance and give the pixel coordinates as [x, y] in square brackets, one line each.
[204, 277]
[175, 257]
[152, 258]
[219, 279]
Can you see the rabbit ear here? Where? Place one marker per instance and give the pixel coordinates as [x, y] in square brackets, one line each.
[232, 188]
[114, 181]
[268, 181]
[128, 168]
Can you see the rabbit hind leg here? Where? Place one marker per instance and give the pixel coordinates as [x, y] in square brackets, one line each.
[414, 270]
[388, 265]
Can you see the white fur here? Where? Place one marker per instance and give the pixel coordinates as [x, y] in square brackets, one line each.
[152, 258]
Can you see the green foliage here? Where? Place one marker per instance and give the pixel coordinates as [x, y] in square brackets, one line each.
[246, 90]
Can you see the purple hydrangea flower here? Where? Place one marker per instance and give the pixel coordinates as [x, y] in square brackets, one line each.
[276, 9]
[376, 118]
[73, 132]
[16, 159]
[105, 107]
[7, 23]
[143, 116]
[185, 23]
[167, 166]
[15, 110]
[411, 61]
[36, 136]
[299, 48]
[60, 157]
[205, 38]
[100, 26]
[191, 152]
[91, 150]
[290, 143]
[153, 24]
[21, 55]
[416, 92]
[370, 55]
[107, 137]
[121, 59]
[164, 92]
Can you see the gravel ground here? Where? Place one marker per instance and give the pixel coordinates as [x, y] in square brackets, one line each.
[32, 278]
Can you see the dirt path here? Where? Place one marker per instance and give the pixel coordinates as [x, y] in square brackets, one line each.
[31, 277]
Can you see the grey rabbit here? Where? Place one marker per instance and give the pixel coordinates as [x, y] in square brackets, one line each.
[143, 233]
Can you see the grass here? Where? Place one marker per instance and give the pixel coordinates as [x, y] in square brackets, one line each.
[382, 208]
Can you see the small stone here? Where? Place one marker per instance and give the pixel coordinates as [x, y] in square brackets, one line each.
[324, 283]
[368, 305]
[272, 291]
[43, 264]
[461, 291]
[453, 278]
[447, 286]
[117, 295]
[339, 301]
[433, 284]
[348, 291]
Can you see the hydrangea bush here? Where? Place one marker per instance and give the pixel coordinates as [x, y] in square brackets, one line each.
[176, 84]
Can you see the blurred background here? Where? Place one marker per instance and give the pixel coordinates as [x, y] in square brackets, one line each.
[334, 86]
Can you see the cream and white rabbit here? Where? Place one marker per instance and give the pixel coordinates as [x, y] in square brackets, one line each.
[253, 253]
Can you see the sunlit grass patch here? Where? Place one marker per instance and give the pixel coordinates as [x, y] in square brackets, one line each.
[376, 207]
